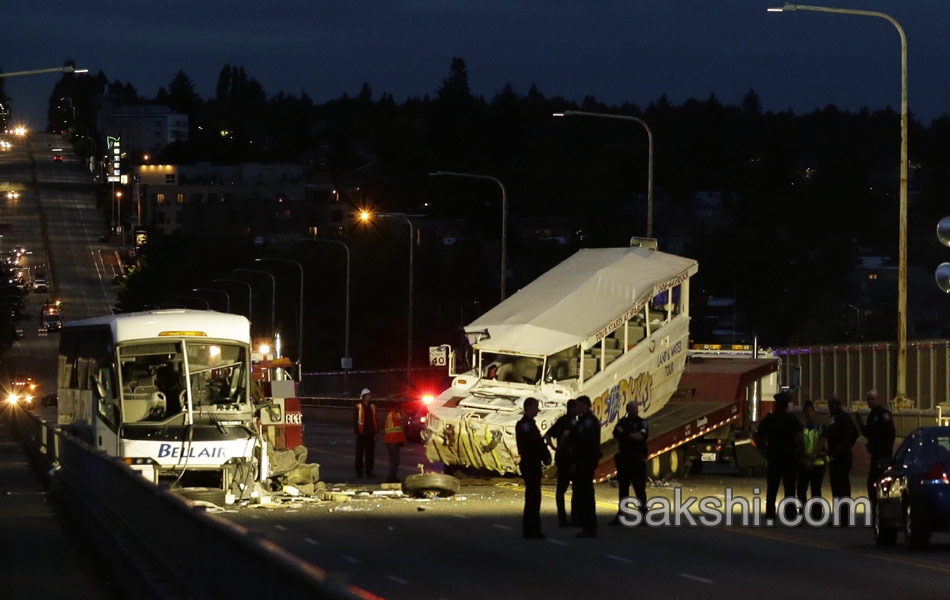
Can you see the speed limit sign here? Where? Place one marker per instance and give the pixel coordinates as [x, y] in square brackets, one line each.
[438, 357]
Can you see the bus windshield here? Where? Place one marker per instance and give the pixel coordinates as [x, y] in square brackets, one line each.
[154, 384]
[511, 368]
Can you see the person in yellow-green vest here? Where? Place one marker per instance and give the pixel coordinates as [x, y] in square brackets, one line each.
[395, 439]
[812, 470]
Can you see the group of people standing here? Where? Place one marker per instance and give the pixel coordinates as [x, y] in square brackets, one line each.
[575, 438]
[798, 454]
[577, 454]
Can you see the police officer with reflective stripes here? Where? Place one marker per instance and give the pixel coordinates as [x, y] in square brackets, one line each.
[365, 427]
[812, 470]
[631, 434]
[533, 453]
[394, 439]
[558, 434]
[880, 434]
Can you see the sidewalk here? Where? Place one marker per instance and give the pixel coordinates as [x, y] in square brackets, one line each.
[39, 556]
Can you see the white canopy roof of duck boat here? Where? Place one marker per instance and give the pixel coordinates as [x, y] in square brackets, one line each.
[580, 300]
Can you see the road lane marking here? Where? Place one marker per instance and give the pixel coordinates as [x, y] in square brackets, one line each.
[696, 578]
[620, 559]
[280, 527]
[776, 536]
[351, 559]
[311, 541]
[460, 516]
[499, 526]
[558, 542]
[397, 579]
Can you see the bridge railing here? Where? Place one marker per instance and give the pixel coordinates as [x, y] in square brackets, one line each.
[154, 541]
[849, 370]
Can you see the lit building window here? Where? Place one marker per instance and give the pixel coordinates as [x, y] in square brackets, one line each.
[181, 198]
[872, 275]
[160, 199]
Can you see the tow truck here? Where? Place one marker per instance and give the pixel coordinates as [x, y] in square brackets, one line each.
[610, 324]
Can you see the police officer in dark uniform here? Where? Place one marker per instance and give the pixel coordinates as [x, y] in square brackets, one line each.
[558, 435]
[584, 438]
[840, 434]
[879, 431]
[631, 433]
[782, 434]
[533, 452]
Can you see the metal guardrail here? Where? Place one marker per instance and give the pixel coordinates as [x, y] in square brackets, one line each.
[849, 370]
[159, 545]
[383, 382]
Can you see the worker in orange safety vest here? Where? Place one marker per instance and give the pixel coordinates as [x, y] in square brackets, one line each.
[365, 426]
[395, 439]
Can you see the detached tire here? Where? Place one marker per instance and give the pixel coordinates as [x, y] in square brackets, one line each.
[431, 485]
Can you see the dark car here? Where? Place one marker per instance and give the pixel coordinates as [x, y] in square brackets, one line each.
[913, 494]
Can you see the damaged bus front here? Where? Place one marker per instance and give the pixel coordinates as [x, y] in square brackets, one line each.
[608, 323]
[167, 392]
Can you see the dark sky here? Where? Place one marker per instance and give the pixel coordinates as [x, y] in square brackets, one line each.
[616, 50]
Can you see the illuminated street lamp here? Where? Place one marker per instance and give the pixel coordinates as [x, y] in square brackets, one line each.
[504, 216]
[902, 243]
[300, 314]
[66, 69]
[365, 217]
[227, 296]
[580, 113]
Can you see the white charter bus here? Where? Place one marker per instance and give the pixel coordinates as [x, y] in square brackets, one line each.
[168, 392]
[608, 323]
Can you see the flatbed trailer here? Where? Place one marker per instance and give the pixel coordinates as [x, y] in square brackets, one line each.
[708, 419]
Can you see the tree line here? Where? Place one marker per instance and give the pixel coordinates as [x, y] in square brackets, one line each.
[799, 197]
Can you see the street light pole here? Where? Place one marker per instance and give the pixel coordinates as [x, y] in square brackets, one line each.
[504, 217]
[188, 298]
[227, 296]
[273, 294]
[902, 235]
[300, 315]
[66, 69]
[580, 113]
[250, 292]
[411, 269]
[346, 363]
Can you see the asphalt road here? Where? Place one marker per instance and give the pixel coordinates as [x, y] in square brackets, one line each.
[470, 546]
[56, 219]
[41, 556]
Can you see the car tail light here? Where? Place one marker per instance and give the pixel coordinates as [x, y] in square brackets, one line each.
[937, 474]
